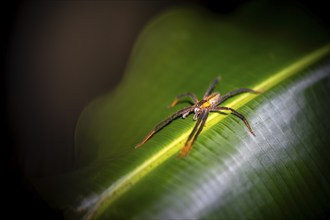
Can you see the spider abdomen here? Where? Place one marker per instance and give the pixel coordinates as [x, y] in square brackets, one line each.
[211, 100]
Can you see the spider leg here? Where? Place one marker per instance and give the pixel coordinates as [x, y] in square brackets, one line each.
[188, 94]
[194, 134]
[211, 87]
[165, 122]
[191, 135]
[218, 108]
[235, 92]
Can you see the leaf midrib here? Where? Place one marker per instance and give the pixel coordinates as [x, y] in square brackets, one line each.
[117, 189]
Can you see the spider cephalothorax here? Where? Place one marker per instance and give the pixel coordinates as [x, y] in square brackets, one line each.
[201, 111]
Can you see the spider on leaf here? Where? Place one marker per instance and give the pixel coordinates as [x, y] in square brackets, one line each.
[201, 110]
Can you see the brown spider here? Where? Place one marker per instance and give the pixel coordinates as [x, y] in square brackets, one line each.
[201, 111]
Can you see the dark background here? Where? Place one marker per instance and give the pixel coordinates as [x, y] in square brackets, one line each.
[58, 56]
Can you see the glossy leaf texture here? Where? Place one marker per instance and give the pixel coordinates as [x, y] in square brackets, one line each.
[229, 174]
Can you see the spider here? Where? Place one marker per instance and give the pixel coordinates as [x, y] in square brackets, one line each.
[201, 110]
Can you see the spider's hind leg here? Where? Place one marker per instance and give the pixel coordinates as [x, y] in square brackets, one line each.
[242, 117]
[235, 92]
[211, 87]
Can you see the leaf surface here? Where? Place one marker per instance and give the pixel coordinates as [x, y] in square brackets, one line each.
[230, 174]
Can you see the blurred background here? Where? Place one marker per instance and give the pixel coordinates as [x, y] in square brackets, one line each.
[59, 56]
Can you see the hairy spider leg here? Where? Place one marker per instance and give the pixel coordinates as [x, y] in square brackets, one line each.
[219, 108]
[211, 87]
[188, 94]
[233, 93]
[194, 134]
[165, 122]
[191, 135]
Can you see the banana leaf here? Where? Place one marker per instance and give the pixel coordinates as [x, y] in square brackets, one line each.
[282, 172]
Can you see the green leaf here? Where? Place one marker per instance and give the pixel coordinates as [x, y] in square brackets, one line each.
[282, 172]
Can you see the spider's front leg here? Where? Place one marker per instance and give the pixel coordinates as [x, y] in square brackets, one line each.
[179, 113]
[194, 134]
[188, 94]
[242, 117]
